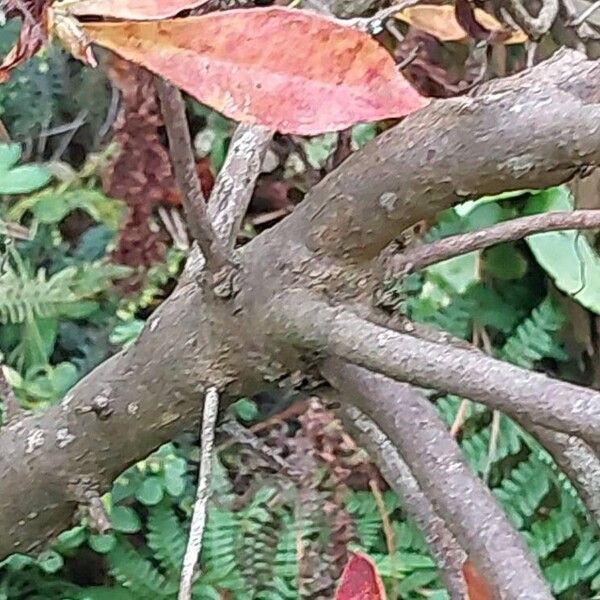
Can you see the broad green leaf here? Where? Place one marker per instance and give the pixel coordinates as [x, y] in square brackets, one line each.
[567, 256]
[23, 179]
[504, 262]
[9, 156]
[70, 539]
[459, 272]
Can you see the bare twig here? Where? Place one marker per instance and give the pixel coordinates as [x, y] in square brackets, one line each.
[536, 27]
[235, 183]
[578, 461]
[424, 256]
[375, 23]
[467, 507]
[194, 545]
[448, 554]
[586, 14]
[184, 167]
[529, 397]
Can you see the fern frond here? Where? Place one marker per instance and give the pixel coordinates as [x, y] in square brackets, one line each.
[166, 537]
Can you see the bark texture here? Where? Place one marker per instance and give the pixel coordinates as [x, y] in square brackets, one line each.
[299, 293]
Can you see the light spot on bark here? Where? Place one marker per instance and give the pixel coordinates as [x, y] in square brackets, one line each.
[154, 324]
[64, 437]
[132, 408]
[32, 515]
[66, 401]
[388, 201]
[34, 440]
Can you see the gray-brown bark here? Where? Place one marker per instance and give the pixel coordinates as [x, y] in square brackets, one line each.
[437, 463]
[529, 131]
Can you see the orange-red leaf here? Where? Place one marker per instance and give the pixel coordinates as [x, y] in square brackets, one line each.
[477, 587]
[134, 10]
[360, 580]
[290, 70]
[440, 22]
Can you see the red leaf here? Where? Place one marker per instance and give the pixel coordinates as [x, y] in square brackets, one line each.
[360, 580]
[135, 10]
[33, 34]
[477, 587]
[289, 70]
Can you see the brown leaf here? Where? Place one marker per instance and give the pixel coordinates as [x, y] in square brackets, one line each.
[440, 21]
[464, 12]
[290, 70]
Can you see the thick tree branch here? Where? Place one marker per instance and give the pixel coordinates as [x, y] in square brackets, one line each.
[448, 554]
[529, 397]
[530, 131]
[429, 254]
[457, 495]
[184, 167]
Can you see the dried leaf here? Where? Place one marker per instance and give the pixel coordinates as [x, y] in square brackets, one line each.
[477, 587]
[360, 580]
[464, 12]
[290, 70]
[134, 10]
[33, 34]
[440, 21]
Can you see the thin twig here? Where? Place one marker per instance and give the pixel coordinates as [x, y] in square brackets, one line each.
[194, 545]
[388, 532]
[424, 256]
[446, 551]
[235, 183]
[536, 27]
[586, 14]
[184, 167]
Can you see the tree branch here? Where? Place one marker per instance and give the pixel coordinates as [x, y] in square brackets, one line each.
[458, 497]
[184, 167]
[235, 183]
[448, 554]
[530, 131]
[502, 138]
[578, 461]
[516, 229]
[536, 27]
[529, 397]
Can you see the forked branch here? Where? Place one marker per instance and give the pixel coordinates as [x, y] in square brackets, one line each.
[456, 494]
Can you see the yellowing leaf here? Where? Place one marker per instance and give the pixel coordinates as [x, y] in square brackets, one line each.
[440, 22]
[135, 10]
[290, 70]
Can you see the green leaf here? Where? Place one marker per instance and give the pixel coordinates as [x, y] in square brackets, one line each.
[245, 409]
[16, 562]
[125, 519]
[102, 543]
[9, 156]
[23, 179]
[504, 262]
[174, 481]
[150, 492]
[459, 272]
[70, 539]
[567, 256]
[50, 561]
